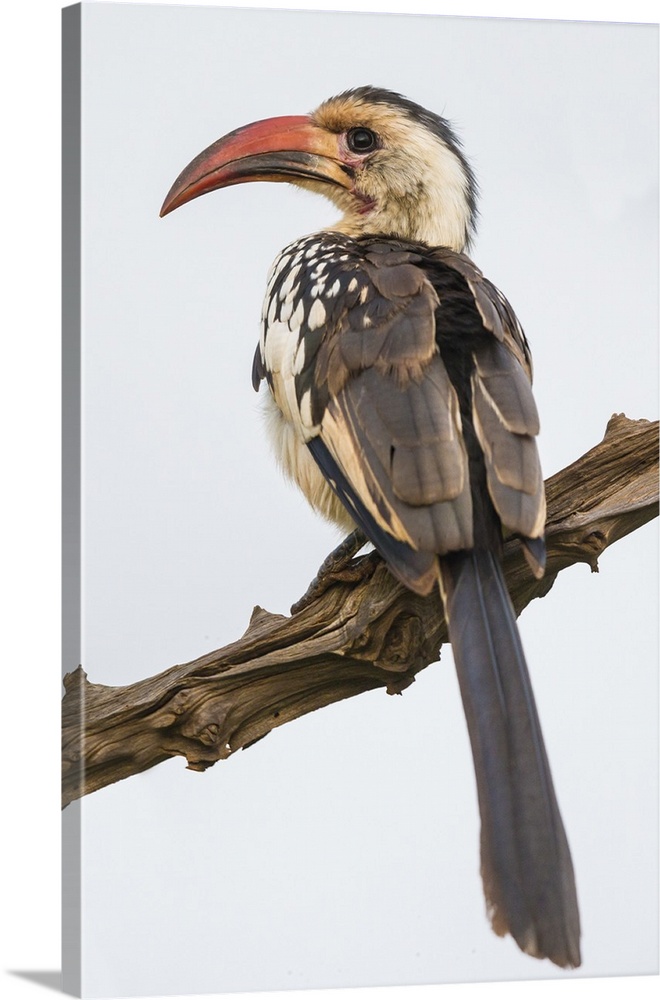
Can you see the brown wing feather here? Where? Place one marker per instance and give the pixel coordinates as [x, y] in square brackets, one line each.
[392, 423]
[371, 428]
[504, 412]
[506, 422]
[496, 314]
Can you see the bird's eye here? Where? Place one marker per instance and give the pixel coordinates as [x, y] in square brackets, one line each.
[361, 140]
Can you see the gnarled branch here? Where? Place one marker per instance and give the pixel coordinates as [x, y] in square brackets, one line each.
[361, 634]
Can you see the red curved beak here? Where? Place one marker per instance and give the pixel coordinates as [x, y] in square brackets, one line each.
[275, 149]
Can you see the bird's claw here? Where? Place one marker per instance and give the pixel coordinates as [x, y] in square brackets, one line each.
[339, 567]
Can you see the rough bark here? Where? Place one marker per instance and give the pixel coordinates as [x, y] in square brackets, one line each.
[361, 633]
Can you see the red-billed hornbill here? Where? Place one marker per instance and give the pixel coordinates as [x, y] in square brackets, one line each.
[400, 401]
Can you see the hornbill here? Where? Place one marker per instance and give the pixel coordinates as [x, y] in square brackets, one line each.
[400, 401]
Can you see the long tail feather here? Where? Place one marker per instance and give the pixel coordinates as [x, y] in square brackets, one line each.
[525, 859]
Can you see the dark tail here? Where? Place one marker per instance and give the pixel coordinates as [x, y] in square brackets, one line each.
[525, 859]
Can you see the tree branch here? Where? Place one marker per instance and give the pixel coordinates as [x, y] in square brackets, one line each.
[358, 635]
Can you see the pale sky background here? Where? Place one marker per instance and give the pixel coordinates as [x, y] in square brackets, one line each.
[343, 850]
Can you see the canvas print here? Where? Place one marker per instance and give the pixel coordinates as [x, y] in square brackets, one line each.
[346, 703]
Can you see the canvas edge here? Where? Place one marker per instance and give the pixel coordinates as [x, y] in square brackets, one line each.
[71, 461]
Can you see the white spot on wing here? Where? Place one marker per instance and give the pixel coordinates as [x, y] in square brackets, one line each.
[286, 310]
[287, 286]
[299, 359]
[296, 320]
[306, 409]
[278, 347]
[316, 316]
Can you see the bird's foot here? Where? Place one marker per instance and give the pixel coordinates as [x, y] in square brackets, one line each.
[339, 567]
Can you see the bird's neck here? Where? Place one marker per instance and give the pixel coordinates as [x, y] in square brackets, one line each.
[435, 207]
[423, 225]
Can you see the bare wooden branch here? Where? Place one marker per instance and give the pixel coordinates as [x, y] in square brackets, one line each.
[359, 634]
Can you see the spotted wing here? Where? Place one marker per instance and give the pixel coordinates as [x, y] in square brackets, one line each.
[388, 416]
[367, 381]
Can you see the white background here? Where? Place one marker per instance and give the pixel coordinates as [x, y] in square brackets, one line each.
[375, 760]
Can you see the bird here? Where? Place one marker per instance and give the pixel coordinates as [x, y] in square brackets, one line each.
[399, 401]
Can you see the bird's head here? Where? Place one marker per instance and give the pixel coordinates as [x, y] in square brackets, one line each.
[389, 165]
